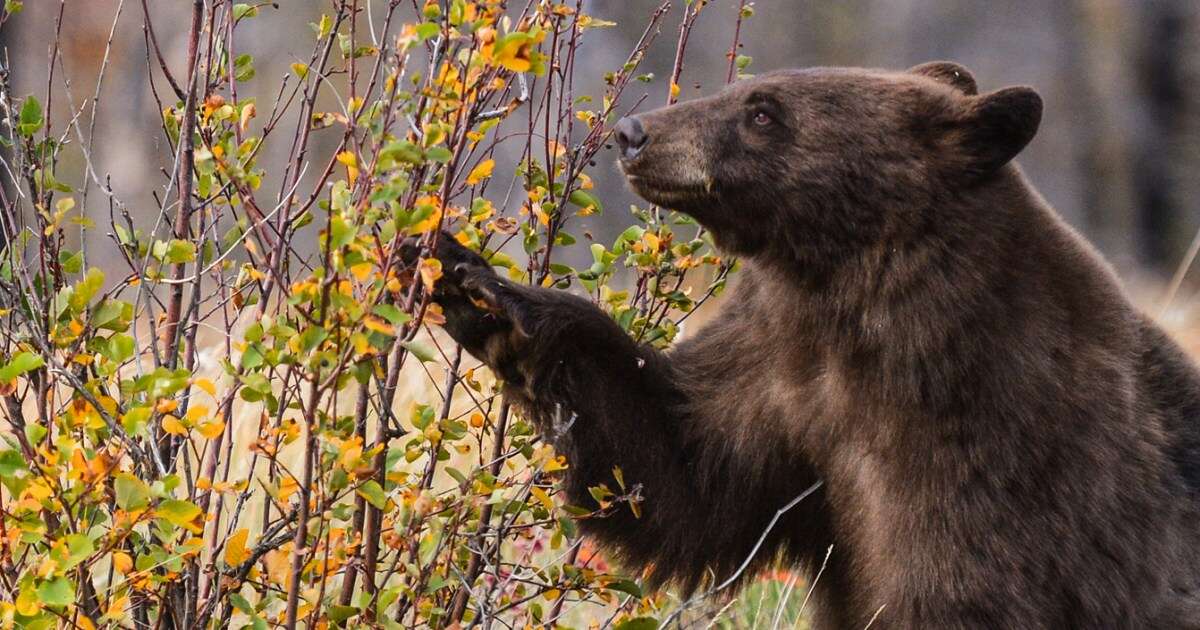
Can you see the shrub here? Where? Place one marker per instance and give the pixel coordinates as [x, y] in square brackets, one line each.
[234, 412]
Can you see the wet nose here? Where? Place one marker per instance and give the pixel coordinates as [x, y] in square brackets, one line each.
[631, 137]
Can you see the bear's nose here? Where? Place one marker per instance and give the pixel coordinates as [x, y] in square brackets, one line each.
[631, 137]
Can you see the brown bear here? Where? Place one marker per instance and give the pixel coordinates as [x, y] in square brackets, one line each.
[1004, 440]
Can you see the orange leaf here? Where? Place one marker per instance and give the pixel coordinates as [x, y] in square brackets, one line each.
[235, 548]
[122, 562]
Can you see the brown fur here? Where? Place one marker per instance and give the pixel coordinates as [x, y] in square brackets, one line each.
[1005, 442]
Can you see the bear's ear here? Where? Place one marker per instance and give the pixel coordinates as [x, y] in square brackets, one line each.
[949, 73]
[995, 127]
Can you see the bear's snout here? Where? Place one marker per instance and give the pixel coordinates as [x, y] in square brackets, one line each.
[631, 137]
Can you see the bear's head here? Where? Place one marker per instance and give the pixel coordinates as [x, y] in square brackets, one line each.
[815, 164]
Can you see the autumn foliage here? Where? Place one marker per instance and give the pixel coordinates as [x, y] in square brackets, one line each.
[238, 409]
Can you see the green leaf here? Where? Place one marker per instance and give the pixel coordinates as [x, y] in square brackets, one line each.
[86, 289]
[243, 67]
[393, 315]
[341, 233]
[120, 348]
[373, 494]
[252, 357]
[178, 512]
[44, 180]
[13, 7]
[11, 462]
[585, 199]
[21, 363]
[425, 30]
[312, 337]
[244, 11]
[79, 547]
[71, 262]
[254, 333]
[57, 592]
[132, 493]
[438, 154]
[324, 27]
[30, 120]
[135, 421]
[626, 586]
[180, 251]
[419, 350]
[241, 603]
[339, 614]
[35, 433]
[402, 151]
[107, 312]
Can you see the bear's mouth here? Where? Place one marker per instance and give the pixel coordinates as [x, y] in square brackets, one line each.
[664, 191]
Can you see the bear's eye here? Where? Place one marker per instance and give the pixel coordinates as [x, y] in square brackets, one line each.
[761, 118]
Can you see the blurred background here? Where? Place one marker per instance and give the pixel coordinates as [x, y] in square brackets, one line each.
[1118, 153]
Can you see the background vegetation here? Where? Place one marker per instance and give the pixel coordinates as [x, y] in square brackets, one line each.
[233, 407]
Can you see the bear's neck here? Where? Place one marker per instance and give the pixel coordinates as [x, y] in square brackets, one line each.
[938, 275]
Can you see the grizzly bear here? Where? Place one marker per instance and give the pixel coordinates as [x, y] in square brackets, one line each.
[1004, 441]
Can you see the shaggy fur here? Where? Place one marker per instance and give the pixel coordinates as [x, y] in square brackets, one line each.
[1005, 441]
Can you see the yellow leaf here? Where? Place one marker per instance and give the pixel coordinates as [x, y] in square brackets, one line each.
[378, 325]
[556, 464]
[211, 429]
[122, 562]
[351, 162]
[431, 270]
[235, 548]
[116, 606]
[429, 222]
[351, 451]
[481, 172]
[361, 271]
[300, 69]
[288, 487]
[542, 497]
[279, 565]
[516, 64]
[651, 240]
[195, 412]
[674, 91]
[172, 425]
[434, 316]
[28, 603]
[206, 386]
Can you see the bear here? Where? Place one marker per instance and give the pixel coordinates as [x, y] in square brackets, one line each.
[1002, 440]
